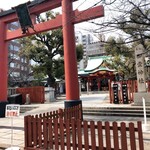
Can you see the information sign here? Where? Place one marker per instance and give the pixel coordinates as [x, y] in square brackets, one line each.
[12, 110]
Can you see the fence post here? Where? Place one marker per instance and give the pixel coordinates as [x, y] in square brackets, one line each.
[26, 131]
[61, 113]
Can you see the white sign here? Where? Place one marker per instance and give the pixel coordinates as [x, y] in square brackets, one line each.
[12, 110]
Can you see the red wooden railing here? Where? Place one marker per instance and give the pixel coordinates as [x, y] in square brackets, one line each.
[65, 130]
[36, 93]
[67, 113]
[60, 134]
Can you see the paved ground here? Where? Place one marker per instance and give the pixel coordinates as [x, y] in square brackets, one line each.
[15, 134]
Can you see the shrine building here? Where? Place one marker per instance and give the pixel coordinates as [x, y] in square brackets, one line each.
[97, 74]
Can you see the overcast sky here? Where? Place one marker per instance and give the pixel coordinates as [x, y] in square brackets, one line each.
[7, 4]
[81, 4]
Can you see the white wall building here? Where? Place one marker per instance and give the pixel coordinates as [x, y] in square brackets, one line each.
[90, 47]
[83, 39]
[95, 48]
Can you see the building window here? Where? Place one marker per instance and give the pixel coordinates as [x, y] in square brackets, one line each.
[22, 67]
[12, 65]
[17, 65]
[22, 60]
[16, 57]
[11, 47]
[16, 48]
[25, 60]
[16, 74]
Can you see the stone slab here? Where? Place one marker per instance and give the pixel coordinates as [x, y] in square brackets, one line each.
[138, 98]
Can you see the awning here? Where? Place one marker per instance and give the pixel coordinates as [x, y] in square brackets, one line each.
[93, 63]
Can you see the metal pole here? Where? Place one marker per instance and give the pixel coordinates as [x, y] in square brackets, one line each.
[144, 109]
[11, 132]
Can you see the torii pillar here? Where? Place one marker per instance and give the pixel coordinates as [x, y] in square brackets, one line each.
[71, 75]
[3, 68]
[66, 21]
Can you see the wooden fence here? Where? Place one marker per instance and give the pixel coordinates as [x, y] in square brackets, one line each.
[55, 131]
[36, 94]
[65, 134]
[67, 113]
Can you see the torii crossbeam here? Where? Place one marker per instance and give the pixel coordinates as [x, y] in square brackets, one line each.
[66, 21]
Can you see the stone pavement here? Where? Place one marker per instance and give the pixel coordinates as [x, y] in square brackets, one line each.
[90, 100]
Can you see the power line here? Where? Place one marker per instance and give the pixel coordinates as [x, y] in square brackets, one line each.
[75, 17]
[81, 4]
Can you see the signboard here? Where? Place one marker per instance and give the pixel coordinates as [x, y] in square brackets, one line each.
[12, 110]
[116, 96]
[125, 93]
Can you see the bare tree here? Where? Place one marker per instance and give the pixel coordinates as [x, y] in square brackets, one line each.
[126, 17]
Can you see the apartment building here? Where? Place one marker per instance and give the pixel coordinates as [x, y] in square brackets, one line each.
[18, 66]
[83, 39]
[96, 49]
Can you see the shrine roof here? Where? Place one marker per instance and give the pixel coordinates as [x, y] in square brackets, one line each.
[95, 62]
[95, 65]
[85, 73]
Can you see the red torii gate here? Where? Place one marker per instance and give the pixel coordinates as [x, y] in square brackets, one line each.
[66, 21]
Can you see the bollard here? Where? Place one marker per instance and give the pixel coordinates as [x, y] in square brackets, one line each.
[27, 99]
